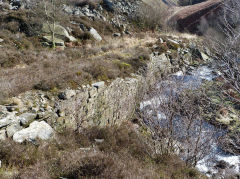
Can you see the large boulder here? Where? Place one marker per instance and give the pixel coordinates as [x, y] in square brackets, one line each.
[60, 32]
[36, 130]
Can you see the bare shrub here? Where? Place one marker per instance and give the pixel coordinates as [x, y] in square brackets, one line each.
[227, 48]
[123, 153]
[150, 17]
[175, 115]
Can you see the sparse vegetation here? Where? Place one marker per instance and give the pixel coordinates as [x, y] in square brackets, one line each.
[111, 152]
[104, 40]
[150, 17]
[45, 70]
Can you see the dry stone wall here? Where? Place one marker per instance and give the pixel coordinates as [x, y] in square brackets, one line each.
[99, 104]
[102, 104]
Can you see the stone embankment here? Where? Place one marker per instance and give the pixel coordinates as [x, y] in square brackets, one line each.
[39, 114]
[35, 114]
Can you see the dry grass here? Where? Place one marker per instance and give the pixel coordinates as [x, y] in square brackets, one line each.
[122, 154]
[46, 69]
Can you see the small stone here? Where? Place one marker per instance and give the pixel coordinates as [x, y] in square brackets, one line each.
[161, 40]
[99, 140]
[116, 35]
[99, 85]
[204, 56]
[95, 34]
[1, 40]
[127, 32]
[82, 27]
[60, 113]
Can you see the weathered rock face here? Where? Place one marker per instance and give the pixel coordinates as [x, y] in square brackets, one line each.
[100, 104]
[190, 17]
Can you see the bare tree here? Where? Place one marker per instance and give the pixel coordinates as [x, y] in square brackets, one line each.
[50, 11]
[227, 50]
[175, 117]
[150, 17]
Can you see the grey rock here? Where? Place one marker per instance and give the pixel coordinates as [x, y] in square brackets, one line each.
[164, 62]
[82, 27]
[161, 40]
[127, 32]
[36, 130]
[99, 140]
[12, 129]
[204, 56]
[222, 164]
[67, 94]
[8, 118]
[173, 41]
[60, 32]
[15, 4]
[99, 85]
[1, 40]
[68, 9]
[48, 41]
[3, 135]
[3, 109]
[93, 92]
[25, 118]
[108, 5]
[60, 113]
[78, 12]
[116, 35]
[95, 34]
[192, 45]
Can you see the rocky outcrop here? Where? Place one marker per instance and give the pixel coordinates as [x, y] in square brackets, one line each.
[190, 17]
